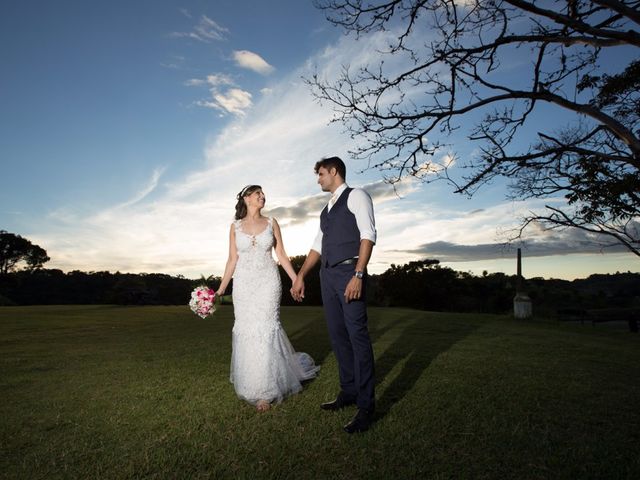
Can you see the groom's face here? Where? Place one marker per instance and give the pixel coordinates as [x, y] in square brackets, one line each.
[328, 179]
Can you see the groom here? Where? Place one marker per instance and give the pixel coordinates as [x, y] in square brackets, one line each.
[343, 246]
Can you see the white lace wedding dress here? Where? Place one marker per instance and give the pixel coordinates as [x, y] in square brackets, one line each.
[264, 365]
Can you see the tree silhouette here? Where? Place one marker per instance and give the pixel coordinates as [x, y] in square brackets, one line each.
[496, 69]
[15, 249]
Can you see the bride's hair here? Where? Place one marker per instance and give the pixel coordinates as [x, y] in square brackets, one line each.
[241, 207]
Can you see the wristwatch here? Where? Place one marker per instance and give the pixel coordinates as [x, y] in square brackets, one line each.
[359, 274]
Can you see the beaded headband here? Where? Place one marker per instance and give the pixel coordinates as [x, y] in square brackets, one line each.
[244, 190]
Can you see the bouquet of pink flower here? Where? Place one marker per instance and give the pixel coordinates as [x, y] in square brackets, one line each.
[202, 301]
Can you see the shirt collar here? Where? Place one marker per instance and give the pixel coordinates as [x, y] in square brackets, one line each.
[339, 191]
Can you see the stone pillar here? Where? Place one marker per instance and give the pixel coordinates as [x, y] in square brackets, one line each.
[522, 308]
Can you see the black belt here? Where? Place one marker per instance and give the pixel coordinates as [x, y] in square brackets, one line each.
[348, 261]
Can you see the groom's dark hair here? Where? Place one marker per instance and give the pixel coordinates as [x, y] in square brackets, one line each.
[332, 162]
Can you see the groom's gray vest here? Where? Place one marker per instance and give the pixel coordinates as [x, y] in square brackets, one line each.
[340, 234]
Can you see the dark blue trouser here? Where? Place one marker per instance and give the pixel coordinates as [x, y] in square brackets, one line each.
[347, 324]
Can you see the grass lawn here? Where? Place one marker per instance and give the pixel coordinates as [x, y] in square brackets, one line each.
[143, 392]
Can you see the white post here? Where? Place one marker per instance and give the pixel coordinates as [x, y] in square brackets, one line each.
[522, 308]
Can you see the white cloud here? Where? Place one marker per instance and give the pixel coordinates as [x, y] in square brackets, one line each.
[252, 61]
[172, 66]
[206, 30]
[146, 190]
[217, 79]
[307, 208]
[182, 225]
[175, 62]
[214, 80]
[234, 100]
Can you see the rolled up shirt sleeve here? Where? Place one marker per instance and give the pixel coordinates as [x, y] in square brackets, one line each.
[361, 205]
[317, 243]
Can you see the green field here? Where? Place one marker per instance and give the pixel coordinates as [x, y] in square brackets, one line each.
[143, 392]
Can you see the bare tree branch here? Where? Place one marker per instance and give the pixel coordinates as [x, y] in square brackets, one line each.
[458, 57]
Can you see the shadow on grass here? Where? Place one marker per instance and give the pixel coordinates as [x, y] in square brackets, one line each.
[314, 337]
[420, 342]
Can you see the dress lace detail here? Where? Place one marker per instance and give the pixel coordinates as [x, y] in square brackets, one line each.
[264, 365]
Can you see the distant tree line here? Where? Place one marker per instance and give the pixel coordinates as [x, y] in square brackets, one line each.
[427, 285]
[423, 284]
[52, 286]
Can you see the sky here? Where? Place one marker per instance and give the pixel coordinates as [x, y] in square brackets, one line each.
[128, 128]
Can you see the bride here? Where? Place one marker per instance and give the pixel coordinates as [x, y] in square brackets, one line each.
[264, 366]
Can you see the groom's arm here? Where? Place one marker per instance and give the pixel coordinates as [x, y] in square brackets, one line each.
[361, 205]
[364, 254]
[312, 258]
[297, 290]
[354, 287]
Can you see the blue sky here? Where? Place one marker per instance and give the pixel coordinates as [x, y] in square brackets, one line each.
[127, 128]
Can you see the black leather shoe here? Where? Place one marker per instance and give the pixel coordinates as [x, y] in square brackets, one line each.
[361, 422]
[339, 403]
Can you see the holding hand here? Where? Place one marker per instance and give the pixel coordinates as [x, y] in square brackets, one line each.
[297, 289]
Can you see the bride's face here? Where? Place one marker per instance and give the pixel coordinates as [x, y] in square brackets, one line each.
[256, 199]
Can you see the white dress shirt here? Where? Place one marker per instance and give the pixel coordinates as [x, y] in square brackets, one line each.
[360, 204]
